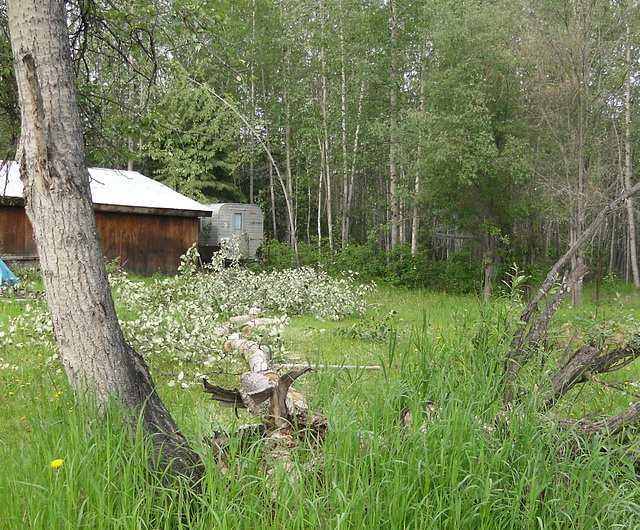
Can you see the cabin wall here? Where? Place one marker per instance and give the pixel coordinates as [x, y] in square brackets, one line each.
[16, 233]
[145, 244]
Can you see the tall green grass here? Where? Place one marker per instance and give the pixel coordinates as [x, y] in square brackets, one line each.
[462, 465]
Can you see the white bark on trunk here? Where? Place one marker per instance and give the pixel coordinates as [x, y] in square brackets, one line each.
[628, 168]
[394, 203]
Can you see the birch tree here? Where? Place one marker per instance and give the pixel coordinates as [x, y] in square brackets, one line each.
[572, 53]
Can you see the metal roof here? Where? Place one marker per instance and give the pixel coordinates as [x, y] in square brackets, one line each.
[118, 191]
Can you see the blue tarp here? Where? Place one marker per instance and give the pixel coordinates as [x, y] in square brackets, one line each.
[6, 276]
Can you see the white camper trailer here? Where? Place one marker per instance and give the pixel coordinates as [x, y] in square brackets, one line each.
[240, 223]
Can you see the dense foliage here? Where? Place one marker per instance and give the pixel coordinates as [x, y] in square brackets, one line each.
[496, 127]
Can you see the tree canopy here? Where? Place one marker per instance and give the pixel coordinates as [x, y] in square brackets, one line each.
[368, 123]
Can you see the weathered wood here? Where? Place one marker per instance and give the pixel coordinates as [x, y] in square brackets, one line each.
[529, 333]
[279, 412]
[528, 339]
[611, 426]
[586, 361]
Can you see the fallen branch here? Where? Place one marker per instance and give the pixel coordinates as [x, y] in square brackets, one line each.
[611, 426]
[586, 361]
[329, 366]
[530, 333]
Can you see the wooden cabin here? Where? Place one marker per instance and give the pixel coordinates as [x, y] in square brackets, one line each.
[144, 224]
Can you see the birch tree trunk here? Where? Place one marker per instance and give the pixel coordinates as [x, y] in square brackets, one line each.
[348, 200]
[415, 225]
[344, 240]
[633, 248]
[325, 127]
[272, 189]
[99, 364]
[394, 204]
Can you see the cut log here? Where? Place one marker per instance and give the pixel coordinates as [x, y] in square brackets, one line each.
[254, 354]
[250, 325]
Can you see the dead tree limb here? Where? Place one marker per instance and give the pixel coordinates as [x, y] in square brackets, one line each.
[586, 361]
[611, 426]
[529, 334]
[524, 346]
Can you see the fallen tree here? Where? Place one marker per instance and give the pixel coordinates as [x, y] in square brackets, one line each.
[573, 368]
[282, 409]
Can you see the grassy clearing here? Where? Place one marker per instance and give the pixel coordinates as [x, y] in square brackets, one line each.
[454, 468]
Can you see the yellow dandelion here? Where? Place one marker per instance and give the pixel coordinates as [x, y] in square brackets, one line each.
[11, 393]
[56, 463]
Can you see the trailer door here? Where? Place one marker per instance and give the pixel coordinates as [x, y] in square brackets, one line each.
[239, 231]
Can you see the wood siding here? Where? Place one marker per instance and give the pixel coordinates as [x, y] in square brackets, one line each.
[16, 234]
[145, 244]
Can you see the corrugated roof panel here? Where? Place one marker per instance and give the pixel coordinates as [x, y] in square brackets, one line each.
[117, 188]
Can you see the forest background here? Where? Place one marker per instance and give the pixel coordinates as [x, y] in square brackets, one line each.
[419, 141]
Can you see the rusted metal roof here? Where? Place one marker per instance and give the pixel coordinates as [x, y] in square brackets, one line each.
[115, 190]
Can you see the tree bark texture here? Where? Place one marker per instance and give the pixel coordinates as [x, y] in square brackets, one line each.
[99, 363]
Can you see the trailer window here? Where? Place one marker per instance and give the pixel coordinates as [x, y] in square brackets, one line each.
[237, 221]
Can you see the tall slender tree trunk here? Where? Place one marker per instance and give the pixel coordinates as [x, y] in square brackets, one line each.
[324, 103]
[628, 168]
[578, 222]
[272, 189]
[287, 185]
[253, 104]
[287, 146]
[415, 225]
[343, 123]
[320, 182]
[348, 200]
[99, 364]
[309, 202]
[272, 195]
[394, 203]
